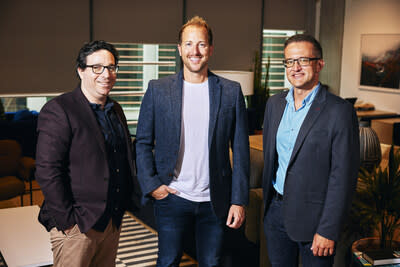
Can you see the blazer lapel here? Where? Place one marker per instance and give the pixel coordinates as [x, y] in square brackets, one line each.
[175, 102]
[277, 117]
[312, 115]
[214, 89]
[89, 118]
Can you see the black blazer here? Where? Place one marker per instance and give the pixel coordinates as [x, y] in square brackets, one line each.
[322, 172]
[71, 163]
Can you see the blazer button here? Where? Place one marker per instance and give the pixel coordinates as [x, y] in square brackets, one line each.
[170, 174]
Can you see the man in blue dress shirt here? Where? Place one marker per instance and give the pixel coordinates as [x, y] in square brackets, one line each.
[311, 155]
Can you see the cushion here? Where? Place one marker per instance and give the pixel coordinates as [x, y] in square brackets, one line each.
[25, 114]
[11, 186]
[256, 168]
[10, 153]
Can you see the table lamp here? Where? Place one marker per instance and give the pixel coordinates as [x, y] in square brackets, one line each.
[245, 78]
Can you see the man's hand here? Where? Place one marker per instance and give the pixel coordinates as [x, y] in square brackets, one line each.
[235, 217]
[162, 192]
[66, 231]
[322, 246]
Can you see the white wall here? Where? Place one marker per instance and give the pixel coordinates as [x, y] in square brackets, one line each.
[367, 17]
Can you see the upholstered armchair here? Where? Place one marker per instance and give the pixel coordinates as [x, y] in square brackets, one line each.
[254, 228]
[14, 170]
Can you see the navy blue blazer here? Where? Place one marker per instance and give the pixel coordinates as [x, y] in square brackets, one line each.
[159, 132]
[322, 171]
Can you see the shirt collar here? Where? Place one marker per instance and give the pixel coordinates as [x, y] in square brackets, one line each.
[109, 104]
[309, 98]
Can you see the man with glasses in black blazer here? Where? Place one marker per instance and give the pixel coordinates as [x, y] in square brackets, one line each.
[84, 164]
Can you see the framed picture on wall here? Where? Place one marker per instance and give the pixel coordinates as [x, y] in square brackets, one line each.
[380, 62]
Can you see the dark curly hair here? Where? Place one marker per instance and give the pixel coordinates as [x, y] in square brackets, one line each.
[90, 48]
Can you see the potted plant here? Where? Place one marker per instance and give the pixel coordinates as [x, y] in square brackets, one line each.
[256, 103]
[377, 204]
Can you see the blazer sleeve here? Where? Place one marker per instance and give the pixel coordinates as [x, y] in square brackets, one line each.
[54, 138]
[241, 154]
[145, 136]
[343, 175]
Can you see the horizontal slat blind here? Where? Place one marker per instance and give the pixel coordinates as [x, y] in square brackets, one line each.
[138, 64]
[273, 44]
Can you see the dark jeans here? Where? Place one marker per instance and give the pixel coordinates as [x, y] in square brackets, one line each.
[175, 216]
[282, 251]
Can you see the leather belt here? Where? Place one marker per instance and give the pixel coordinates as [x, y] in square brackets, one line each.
[278, 196]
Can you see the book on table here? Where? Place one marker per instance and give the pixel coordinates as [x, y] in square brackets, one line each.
[382, 256]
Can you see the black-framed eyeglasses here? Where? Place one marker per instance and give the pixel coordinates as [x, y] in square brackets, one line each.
[303, 61]
[99, 69]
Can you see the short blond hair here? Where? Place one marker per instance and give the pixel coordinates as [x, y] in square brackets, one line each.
[199, 22]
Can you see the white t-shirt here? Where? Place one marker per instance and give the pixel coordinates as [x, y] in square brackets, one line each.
[191, 174]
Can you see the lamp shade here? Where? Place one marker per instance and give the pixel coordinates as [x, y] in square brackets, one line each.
[245, 78]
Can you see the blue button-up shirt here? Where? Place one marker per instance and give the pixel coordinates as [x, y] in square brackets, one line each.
[288, 130]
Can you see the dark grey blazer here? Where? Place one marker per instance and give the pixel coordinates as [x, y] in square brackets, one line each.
[71, 163]
[159, 130]
[322, 172]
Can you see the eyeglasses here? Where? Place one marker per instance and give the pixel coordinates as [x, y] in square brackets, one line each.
[303, 61]
[99, 69]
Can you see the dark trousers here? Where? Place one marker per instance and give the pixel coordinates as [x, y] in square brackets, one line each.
[284, 252]
[174, 217]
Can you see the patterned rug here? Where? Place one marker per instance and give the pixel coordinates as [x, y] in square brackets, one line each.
[138, 245]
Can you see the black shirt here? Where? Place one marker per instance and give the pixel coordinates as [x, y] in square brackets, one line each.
[116, 149]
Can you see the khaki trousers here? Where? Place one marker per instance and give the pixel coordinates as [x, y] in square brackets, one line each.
[85, 249]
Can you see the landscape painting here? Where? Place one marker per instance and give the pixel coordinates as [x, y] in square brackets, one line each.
[380, 61]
